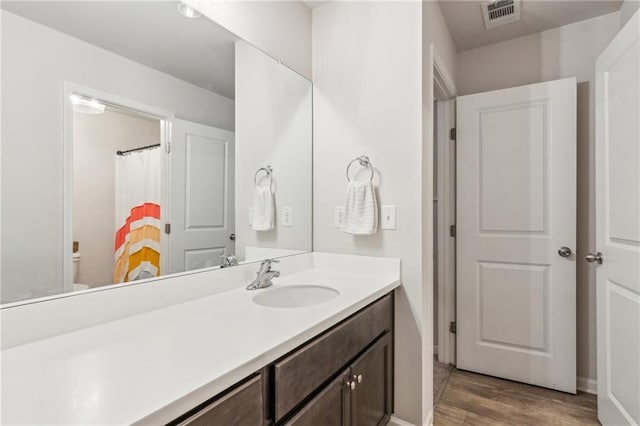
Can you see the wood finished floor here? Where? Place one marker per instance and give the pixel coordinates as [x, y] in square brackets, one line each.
[441, 374]
[474, 399]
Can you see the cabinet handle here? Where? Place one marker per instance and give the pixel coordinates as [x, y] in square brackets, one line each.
[357, 378]
[351, 385]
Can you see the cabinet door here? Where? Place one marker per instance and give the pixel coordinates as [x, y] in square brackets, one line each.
[329, 408]
[241, 406]
[371, 399]
[301, 373]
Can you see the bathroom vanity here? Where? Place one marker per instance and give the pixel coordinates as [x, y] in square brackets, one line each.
[342, 377]
[229, 355]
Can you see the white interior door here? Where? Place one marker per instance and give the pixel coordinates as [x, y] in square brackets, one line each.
[618, 227]
[516, 207]
[201, 197]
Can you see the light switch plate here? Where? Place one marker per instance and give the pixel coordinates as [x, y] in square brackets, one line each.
[338, 216]
[287, 216]
[388, 217]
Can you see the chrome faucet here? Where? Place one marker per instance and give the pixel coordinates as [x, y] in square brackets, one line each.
[264, 275]
[228, 260]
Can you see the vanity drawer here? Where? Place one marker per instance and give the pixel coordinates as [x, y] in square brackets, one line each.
[305, 370]
[241, 406]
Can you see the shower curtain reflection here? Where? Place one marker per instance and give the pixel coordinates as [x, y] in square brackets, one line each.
[137, 215]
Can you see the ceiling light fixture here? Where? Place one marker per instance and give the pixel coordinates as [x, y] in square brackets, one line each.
[188, 11]
[86, 106]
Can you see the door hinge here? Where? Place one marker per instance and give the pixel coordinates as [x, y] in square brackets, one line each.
[452, 134]
[168, 147]
[452, 231]
[167, 228]
[452, 327]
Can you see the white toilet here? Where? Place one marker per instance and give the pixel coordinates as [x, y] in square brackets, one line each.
[76, 265]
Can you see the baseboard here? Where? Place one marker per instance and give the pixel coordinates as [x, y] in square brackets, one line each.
[428, 421]
[395, 421]
[587, 385]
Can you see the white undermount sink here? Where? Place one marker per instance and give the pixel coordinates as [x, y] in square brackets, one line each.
[295, 296]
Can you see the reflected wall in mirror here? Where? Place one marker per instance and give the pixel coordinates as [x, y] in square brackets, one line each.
[137, 142]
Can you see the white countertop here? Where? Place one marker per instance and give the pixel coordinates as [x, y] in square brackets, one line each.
[153, 367]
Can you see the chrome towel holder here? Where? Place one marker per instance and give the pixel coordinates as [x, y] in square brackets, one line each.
[364, 162]
[268, 170]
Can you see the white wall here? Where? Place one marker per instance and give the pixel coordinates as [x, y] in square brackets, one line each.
[280, 28]
[273, 127]
[628, 8]
[35, 63]
[367, 100]
[96, 138]
[558, 53]
[435, 30]
[561, 52]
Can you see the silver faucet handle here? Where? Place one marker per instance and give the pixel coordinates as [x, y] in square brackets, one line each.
[228, 260]
[266, 264]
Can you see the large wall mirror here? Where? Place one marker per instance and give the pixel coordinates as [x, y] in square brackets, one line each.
[139, 140]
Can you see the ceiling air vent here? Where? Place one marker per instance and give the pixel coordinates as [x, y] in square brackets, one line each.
[500, 12]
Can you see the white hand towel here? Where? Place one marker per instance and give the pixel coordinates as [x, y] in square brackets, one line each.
[263, 209]
[361, 209]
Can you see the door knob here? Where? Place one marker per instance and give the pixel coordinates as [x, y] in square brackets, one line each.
[564, 251]
[594, 258]
[232, 237]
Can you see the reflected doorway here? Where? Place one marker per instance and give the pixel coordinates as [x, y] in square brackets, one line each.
[117, 192]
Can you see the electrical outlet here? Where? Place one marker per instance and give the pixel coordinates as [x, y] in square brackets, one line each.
[287, 216]
[388, 217]
[338, 216]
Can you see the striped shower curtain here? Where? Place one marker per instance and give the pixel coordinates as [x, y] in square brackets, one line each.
[137, 238]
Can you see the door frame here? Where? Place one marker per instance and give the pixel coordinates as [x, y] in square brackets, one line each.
[444, 95]
[164, 116]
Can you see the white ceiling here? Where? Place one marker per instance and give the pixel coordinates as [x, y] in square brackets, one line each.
[152, 33]
[464, 19]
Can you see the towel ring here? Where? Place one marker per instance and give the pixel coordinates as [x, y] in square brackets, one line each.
[364, 162]
[268, 170]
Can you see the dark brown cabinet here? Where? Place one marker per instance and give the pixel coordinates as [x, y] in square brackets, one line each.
[342, 377]
[371, 400]
[302, 372]
[331, 407]
[360, 396]
[242, 405]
